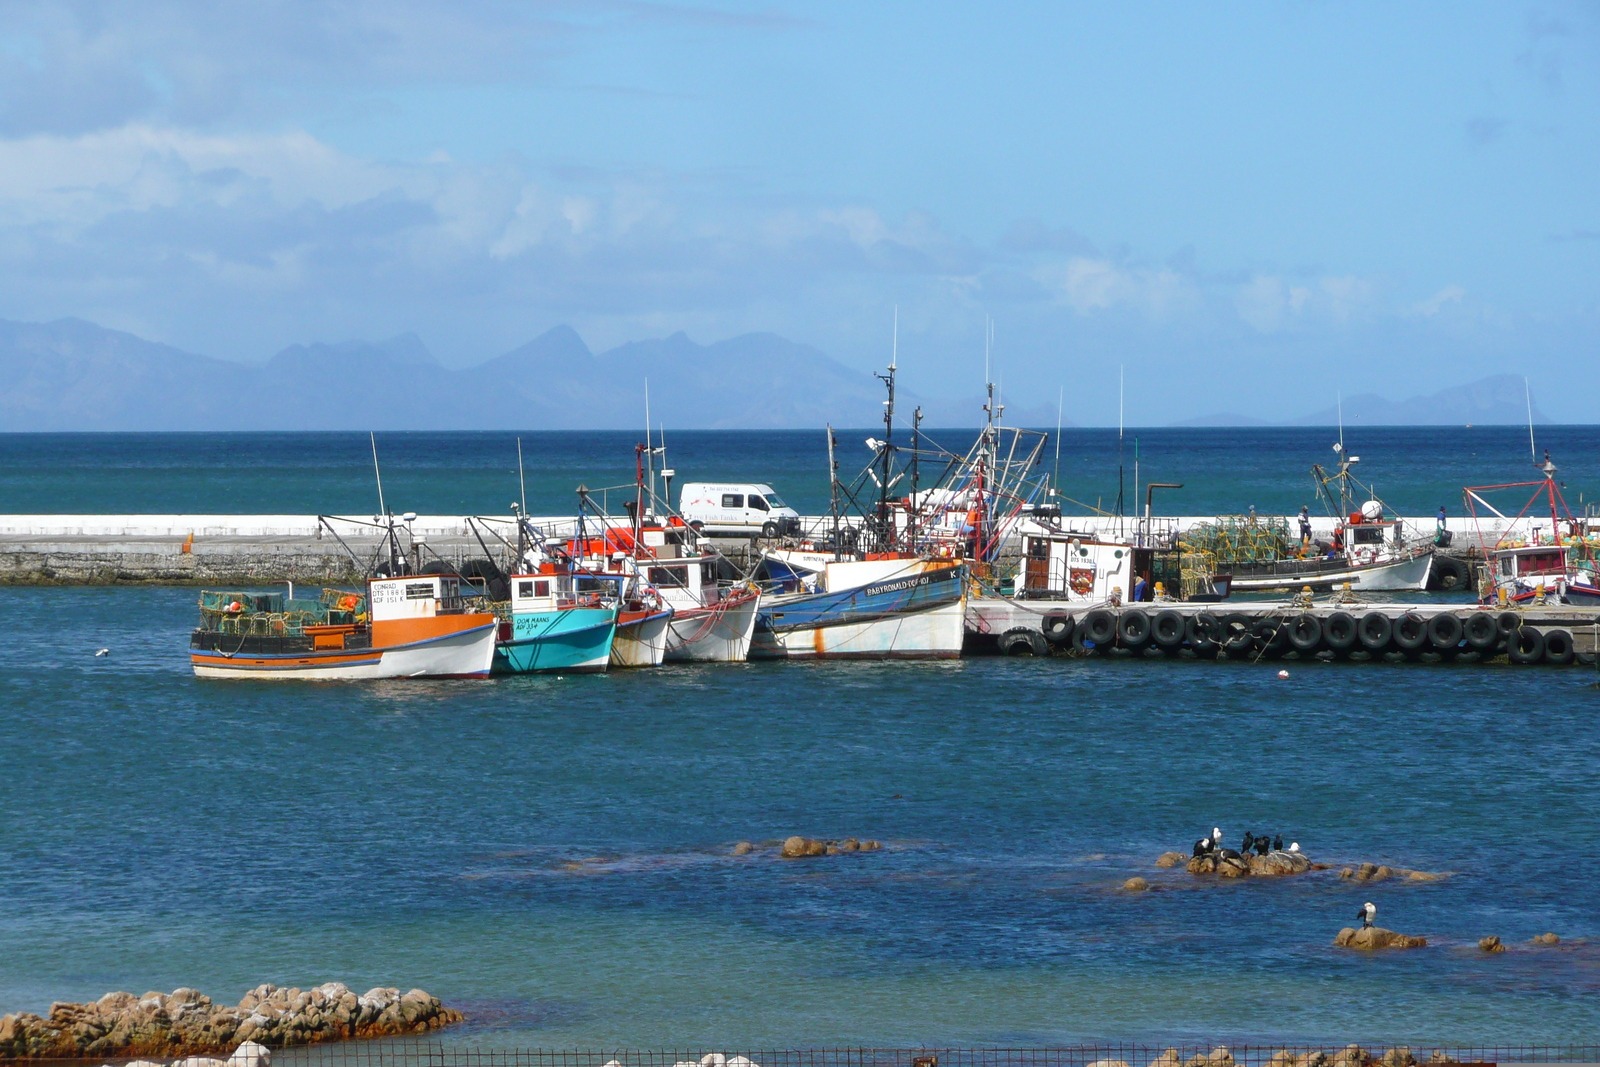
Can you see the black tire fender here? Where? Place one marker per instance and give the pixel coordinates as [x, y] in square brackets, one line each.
[1203, 631]
[1272, 635]
[1375, 631]
[1558, 648]
[1481, 631]
[1525, 646]
[1022, 641]
[1167, 629]
[1305, 632]
[1509, 622]
[1444, 631]
[1339, 631]
[1057, 627]
[1237, 637]
[1099, 627]
[1410, 632]
[1133, 628]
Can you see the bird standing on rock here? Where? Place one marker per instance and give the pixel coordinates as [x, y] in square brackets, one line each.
[1203, 846]
[1277, 842]
[1368, 912]
[1263, 846]
[1249, 840]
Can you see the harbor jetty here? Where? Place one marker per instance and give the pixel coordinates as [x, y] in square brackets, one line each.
[186, 1022]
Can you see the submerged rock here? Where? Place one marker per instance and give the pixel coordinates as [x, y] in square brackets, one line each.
[1273, 864]
[1171, 859]
[1374, 937]
[1546, 939]
[797, 847]
[185, 1023]
[1135, 885]
[1491, 944]
[1377, 872]
[743, 848]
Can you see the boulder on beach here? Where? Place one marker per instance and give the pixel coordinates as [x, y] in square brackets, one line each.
[1136, 885]
[186, 1024]
[1375, 937]
[1170, 1058]
[1546, 939]
[1491, 944]
[1171, 859]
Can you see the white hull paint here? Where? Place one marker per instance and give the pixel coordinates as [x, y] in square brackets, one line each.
[712, 635]
[642, 643]
[936, 633]
[1405, 574]
[458, 655]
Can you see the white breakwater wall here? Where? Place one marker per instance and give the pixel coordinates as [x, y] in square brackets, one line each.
[122, 527]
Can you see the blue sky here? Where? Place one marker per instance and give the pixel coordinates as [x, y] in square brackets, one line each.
[1248, 206]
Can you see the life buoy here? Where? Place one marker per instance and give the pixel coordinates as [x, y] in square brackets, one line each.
[348, 603]
[1365, 556]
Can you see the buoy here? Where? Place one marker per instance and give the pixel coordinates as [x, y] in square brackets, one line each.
[1283, 674]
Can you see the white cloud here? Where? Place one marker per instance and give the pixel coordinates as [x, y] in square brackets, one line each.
[1450, 294]
[1087, 284]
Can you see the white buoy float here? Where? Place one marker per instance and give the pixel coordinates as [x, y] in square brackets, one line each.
[1283, 674]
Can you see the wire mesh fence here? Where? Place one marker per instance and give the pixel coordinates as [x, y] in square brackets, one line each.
[411, 1053]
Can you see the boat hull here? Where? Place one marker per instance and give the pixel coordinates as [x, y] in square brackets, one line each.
[465, 653]
[719, 634]
[569, 640]
[641, 642]
[916, 612]
[1404, 574]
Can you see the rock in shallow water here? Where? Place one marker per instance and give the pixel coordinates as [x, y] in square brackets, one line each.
[185, 1023]
[1491, 944]
[1376, 937]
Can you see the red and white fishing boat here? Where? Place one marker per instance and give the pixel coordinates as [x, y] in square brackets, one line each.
[1538, 555]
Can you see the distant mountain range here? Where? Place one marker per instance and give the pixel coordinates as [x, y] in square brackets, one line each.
[1496, 400]
[75, 375]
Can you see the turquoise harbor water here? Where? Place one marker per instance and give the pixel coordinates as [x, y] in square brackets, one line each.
[555, 855]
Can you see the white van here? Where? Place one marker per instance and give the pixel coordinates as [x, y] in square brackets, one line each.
[736, 508]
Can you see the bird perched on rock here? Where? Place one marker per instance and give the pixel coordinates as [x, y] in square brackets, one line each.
[1277, 842]
[1263, 846]
[1294, 846]
[1368, 912]
[1249, 841]
[1203, 846]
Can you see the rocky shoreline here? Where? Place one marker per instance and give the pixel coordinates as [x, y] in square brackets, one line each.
[1349, 1056]
[186, 1022]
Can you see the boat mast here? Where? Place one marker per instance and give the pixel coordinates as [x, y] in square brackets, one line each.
[833, 491]
[885, 532]
[911, 512]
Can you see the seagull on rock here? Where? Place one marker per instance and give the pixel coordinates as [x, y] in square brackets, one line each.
[1368, 912]
[1294, 846]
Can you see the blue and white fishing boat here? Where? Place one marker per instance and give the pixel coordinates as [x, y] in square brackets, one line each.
[555, 627]
[878, 608]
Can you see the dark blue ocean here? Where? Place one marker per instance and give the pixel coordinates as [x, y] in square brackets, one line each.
[554, 855]
[1223, 471]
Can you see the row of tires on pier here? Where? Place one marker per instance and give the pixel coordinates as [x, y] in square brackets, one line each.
[1475, 635]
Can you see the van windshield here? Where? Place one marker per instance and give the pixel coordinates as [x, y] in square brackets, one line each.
[772, 498]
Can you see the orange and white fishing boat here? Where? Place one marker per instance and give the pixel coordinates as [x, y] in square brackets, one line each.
[409, 626]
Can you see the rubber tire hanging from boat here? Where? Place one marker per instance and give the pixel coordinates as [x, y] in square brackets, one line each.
[1375, 631]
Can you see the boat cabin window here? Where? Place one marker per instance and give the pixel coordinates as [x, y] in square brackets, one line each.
[533, 588]
[419, 590]
[758, 503]
[1540, 563]
[733, 500]
[1038, 549]
[1367, 535]
[708, 574]
[674, 577]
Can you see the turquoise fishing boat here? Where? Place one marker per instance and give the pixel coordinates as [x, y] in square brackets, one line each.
[554, 628]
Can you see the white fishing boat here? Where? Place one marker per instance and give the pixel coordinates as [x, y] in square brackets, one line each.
[905, 607]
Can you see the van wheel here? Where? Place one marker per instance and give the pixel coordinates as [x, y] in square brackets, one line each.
[769, 530]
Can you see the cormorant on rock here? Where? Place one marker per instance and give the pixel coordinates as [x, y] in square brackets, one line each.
[1368, 912]
[1229, 854]
[1249, 840]
[1277, 842]
[1263, 846]
[1202, 846]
